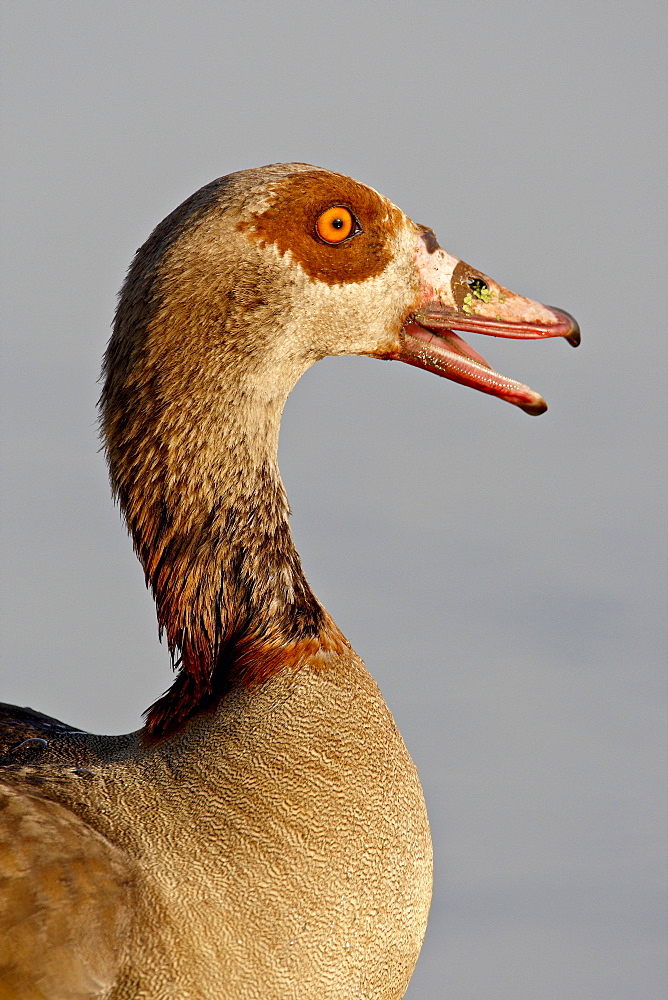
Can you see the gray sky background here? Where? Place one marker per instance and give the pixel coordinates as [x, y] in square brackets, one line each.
[501, 575]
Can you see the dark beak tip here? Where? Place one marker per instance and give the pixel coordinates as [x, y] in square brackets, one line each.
[535, 409]
[573, 336]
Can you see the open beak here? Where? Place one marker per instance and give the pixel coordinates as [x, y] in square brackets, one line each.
[456, 297]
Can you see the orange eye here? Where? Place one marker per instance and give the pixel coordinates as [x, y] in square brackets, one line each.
[336, 224]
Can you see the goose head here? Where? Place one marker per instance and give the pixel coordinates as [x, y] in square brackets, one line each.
[234, 295]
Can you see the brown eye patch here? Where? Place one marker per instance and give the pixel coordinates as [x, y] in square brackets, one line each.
[302, 200]
[336, 224]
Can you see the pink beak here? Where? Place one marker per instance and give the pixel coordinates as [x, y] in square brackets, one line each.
[457, 297]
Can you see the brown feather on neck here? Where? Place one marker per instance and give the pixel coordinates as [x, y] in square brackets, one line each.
[191, 446]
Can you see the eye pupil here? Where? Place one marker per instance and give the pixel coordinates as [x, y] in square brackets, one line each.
[337, 223]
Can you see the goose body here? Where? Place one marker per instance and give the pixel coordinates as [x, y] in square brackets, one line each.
[265, 834]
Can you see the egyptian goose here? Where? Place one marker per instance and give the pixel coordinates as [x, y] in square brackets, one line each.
[264, 835]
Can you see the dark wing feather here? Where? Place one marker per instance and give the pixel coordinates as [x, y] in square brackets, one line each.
[24, 734]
